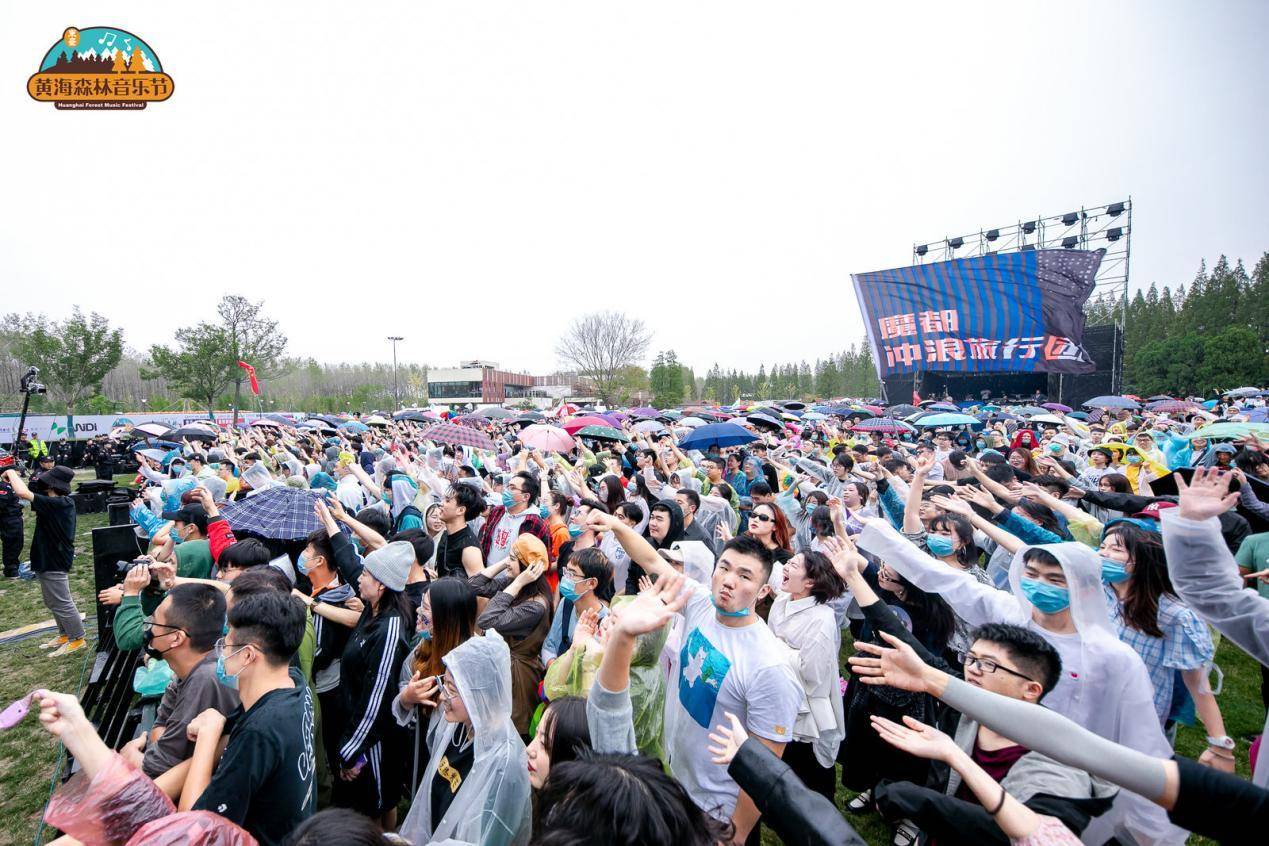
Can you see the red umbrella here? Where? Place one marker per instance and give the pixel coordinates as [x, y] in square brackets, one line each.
[456, 435]
[571, 426]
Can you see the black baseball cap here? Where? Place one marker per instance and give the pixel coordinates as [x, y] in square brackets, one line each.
[190, 513]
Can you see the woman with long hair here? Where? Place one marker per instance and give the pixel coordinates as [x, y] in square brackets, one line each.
[446, 618]
[367, 768]
[1167, 634]
[519, 609]
[562, 735]
[1022, 459]
[769, 526]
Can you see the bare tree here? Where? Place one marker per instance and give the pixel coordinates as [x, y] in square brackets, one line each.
[599, 345]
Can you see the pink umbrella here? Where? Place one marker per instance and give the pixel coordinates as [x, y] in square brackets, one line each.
[571, 426]
[1057, 406]
[546, 438]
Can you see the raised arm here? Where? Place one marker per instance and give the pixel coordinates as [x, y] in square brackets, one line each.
[639, 550]
[912, 508]
[972, 601]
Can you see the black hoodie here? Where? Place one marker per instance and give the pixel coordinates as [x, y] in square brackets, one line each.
[674, 534]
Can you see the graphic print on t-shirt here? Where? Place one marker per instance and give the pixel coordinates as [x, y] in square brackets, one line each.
[702, 671]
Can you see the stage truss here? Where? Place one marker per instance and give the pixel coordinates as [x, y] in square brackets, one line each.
[1089, 228]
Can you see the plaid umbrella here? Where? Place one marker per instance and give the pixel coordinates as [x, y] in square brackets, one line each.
[280, 513]
[1171, 405]
[1111, 402]
[885, 425]
[455, 435]
[470, 420]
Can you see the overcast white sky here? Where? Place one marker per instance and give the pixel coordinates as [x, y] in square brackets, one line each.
[474, 175]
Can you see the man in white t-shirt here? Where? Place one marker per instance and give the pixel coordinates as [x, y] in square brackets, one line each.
[729, 662]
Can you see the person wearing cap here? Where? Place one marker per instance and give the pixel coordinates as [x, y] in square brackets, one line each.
[53, 550]
[193, 554]
[370, 760]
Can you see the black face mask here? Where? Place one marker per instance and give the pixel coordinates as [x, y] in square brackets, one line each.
[147, 637]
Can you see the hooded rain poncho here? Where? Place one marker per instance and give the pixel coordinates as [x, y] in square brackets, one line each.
[492, 807]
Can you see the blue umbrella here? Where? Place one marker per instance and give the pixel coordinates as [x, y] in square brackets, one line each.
[948, 419]
[720, 434]
[354, 426]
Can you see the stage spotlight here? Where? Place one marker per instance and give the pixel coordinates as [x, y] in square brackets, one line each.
[1070, 217]
[956, 243]
[1069, 241]
[922, 250]
[993, 234]
[1115, 209]
[1028, 227]
[1114, 233]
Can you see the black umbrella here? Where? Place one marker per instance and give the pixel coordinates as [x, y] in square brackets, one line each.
[902, 410]
[794, 406]
[331, 419]
[766, 422]
[193, 433]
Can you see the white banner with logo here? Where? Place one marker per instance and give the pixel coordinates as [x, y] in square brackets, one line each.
[55, 427]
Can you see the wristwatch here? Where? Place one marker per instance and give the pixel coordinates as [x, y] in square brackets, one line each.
[1225, 742]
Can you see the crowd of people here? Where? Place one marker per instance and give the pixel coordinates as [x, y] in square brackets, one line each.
[637, 638]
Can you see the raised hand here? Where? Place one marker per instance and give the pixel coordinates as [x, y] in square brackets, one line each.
[653, 609]
[587, 623]
[896, 667]
[916, 738]
[845, 557]
[952, 504]
[1206, 495]
[728, 738]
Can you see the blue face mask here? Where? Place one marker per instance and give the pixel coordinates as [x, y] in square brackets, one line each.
[301, 563]
[223, 677]
[1047, 598]
[743, 612]
[939, 546]
[508, 499]
[1114, 572]
[574, 530]
[225, 629]
[568, 590]
[1133, 459]
[544, 512]
[426, 634]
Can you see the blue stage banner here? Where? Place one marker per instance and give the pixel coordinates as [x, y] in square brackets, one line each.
[1009, 312]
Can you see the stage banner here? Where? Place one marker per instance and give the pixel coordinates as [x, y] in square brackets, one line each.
[1009, 312]
[50, 427]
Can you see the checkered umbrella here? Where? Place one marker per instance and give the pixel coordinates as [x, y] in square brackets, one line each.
[456, 435]
[885, 425]
[281, 513]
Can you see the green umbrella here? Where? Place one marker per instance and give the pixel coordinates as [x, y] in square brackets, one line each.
[1217, 431]
[602, 433]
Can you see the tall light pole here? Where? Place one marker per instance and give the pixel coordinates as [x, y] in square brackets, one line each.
[396, 393]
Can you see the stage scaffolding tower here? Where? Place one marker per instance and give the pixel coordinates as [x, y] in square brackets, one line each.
[1106, 227]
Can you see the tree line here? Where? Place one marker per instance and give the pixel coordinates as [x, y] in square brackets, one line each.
[1210, 336]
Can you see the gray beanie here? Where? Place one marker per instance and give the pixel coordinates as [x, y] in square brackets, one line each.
[391, 564]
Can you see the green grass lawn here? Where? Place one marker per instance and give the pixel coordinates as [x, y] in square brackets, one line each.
[29, 757]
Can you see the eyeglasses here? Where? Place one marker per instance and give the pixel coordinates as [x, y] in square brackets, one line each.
[986, 665]
[447, 690]
[149, 625]
[762, 518]
[221, 646]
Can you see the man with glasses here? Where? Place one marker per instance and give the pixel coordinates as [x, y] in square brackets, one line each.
[182, 631]
[1018, 663]
[264, 780]
[514, 517]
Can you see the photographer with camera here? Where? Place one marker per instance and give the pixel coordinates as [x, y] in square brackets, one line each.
[53, 549]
